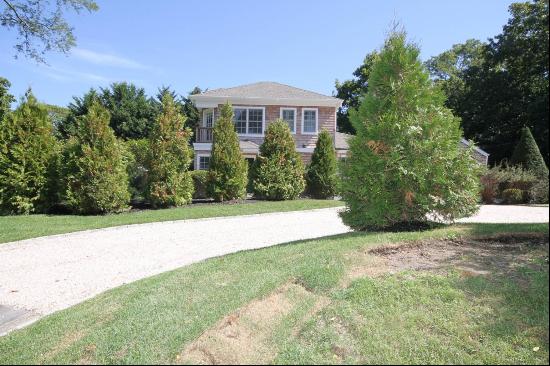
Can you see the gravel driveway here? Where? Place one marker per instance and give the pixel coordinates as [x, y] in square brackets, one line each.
[40, 276]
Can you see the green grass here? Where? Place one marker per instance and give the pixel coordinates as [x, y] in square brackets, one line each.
[24, 227]
[411, 317]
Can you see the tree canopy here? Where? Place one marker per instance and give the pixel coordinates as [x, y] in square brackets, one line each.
[41, 25]
[502, 85]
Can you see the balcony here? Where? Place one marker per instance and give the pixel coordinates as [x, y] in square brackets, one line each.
[203, 134]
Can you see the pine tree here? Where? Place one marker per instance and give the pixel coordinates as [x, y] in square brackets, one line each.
[528, 156]
[405, 161]
[322, 175]
[26, 148]
[228, 170]
[169, 179]
[278, 172]
[94, 168]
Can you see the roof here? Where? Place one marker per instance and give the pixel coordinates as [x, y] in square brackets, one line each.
[264, 92]
[341, 141]
[476, 149]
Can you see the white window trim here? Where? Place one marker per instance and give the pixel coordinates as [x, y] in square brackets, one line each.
[295, 116]
[198, 162]
[263, 120]
[316, 121]
[205, 111]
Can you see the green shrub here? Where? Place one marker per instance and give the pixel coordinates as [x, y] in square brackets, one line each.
[200, 182]
[94, 167]
[513, 196]
[322, 175]
[27, 147]
[278, 172]
[137, 155]
[404, 162]
[228, 170]
[539, 192]
[169, 180]
[527, 155]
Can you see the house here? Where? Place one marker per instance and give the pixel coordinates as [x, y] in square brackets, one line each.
[258, 104]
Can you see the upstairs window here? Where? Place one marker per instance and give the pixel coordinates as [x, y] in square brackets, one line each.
[249, 121]
[208, 120]
[309, 121]
[289, 116]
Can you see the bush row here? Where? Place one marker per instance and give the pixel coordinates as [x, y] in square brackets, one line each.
[93, 172]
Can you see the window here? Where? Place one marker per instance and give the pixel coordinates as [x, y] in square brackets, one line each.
[240, 120]
[208, 120]
[249, 121]
[309, 121]
[204, 162]
[289, 115]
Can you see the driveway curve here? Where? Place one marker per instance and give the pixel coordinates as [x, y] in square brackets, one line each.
[43, 275]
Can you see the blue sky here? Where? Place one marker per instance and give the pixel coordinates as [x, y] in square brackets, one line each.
[214, 44]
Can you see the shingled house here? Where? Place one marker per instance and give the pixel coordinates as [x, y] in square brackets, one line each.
[258, 104]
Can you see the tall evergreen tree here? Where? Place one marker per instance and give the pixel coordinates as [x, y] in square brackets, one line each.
[278, 172]
[94, 168]
[6, 99]
[169, 179]
[228, 171]
[528, 156]
[26, 147]
[405, 161]
[321, 174]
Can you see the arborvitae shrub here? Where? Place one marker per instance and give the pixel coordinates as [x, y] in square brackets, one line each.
[278, 172]
[528, 156]
[322, 175]
[169, 179]
[94, 167]
[200, 181]
[228, 170]
[405, 161]
[27, 147]
[137, 154]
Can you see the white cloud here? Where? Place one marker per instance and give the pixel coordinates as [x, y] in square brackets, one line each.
[71, 75]
[106, 59]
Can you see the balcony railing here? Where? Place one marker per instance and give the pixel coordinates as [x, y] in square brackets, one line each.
[203, 134]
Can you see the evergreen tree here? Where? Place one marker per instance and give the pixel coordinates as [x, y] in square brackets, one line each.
[26, 148]
[6, 99]
[228, 171]
[169, 179]
[321, 175]
[278, 172]
[405, 161]
[528, 156]
[94, 168]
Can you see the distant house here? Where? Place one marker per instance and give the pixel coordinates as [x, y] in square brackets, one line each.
[258, 104]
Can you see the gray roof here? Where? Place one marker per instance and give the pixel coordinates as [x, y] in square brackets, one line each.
[341, 141]
[267, 90]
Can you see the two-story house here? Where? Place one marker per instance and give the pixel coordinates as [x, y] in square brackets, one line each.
[258, 104]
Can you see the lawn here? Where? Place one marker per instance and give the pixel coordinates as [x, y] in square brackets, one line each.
[31, 226]
[330, 300]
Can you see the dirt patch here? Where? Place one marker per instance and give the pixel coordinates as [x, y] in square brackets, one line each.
[245, 337]
[471, 256]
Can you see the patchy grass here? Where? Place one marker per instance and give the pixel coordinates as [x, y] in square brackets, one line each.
[30, 226]
[308, 302]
